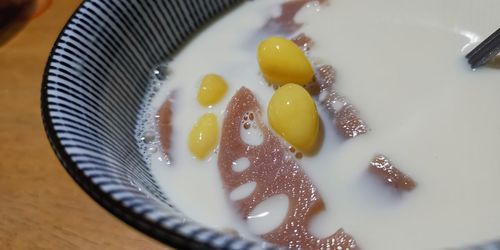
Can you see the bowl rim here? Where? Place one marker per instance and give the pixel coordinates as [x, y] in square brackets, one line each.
[170, 237]
[126, 214]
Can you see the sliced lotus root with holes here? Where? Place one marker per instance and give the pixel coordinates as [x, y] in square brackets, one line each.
[345, 117]
[303, 41]
[275, 172]
[382, 167]
[348, 122]
[285, 22]
[165, 124]
[325, 75]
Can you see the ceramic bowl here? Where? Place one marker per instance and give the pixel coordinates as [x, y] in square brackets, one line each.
[95, 80]
[93, 89]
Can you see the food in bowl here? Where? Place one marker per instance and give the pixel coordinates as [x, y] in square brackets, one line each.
[332, 124]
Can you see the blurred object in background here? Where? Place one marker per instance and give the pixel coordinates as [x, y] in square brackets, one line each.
[15, 14]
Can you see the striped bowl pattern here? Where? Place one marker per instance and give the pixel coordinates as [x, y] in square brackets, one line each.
[94, 83]
[93, 88]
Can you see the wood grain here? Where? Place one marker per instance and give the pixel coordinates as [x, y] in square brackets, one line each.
[41, 207]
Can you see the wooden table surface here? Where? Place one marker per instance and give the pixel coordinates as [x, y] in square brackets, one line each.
[41, 207]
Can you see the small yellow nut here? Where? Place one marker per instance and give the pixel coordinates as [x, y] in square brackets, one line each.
[292, 114]
[282, 61]
[203, 136]
[213, 87]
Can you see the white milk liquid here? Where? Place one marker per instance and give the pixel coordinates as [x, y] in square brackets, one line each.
[401, 63]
